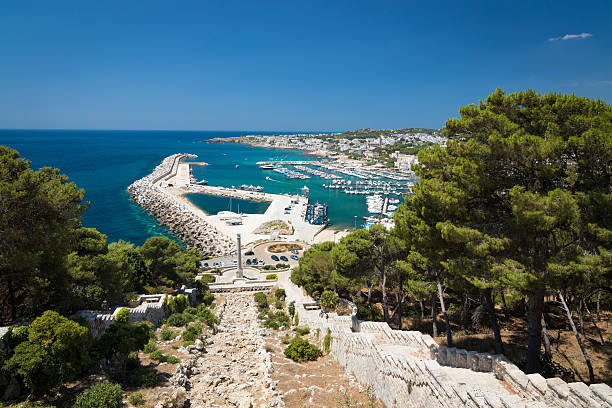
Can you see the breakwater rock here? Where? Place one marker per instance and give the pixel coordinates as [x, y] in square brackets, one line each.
[169, 210]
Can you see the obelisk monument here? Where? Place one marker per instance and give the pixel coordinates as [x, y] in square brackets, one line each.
[239, 272]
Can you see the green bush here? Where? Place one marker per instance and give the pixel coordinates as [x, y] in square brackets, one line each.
[156, 355]
[296, 319]
[172, 360]
[136, 398]
[280, 294]
[187, 343]
[327, 341]
[207, 278]
[123, 315]
[329, 300]
[180, 303]
[271, 276]
[150, 347]
[278, 304]
[269, 267]
[176, 320]
[144, 377]
[303, 331]
[261, 300]
[104, 395]
[208, 298]
[191, 310]
[167, 334]
[369, 313]
[192, 332]
[208, 317]
[56, 351]
[292, 308]
[300, 350]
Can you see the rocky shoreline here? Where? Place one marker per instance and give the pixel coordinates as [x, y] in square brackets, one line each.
[190, 228]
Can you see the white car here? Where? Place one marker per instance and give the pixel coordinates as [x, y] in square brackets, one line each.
[223, 264]
[261, 262]
[235, 262]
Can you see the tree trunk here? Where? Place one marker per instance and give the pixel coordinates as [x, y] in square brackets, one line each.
[602, 341]
[370, 292]
[571, 322]
[505, 305]
[490, 307]
[535, 307]
[383, 286]
[598, 302]
[545, 337]
[422, 309]
[449, 334]
[580, 320]
[434, 315]
[465, 309]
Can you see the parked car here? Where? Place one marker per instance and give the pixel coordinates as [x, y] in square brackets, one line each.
[274, 257]
[205, 264]
[284, 258]
[216, 264]
[248, 261]
[223, 264]
[294, 257]
[234, 262]
[294, 251]
[249, 253]
[261, 262]
[254, 261]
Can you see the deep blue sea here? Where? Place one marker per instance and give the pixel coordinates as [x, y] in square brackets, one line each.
[104, 163]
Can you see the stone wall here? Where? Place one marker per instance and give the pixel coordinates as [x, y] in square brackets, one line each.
[148, 308]
[408, 369]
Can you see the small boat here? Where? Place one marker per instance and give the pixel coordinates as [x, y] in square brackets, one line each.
[237, 165]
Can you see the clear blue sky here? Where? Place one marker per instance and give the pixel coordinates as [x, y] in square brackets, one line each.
[289, 65]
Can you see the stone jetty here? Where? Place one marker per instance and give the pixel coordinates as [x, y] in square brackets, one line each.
[188, 226]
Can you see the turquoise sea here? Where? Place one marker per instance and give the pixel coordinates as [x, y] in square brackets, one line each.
[105, 162]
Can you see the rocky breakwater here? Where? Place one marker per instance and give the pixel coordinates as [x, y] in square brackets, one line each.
[230, 368]
[169, 210]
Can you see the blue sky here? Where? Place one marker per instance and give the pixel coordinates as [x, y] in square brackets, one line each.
[288, 65]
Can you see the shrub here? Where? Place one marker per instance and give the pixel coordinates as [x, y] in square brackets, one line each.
[318, 333]
[123, 315]
[292, 308]
[171, 360]
[145, 377]
[187, 343]
[191, 310]
[329, 299]
[278, 304]
[167, 334]
[300, 350]
[192, 332]
[280, 294]
[56, 350]
[150, 347]
[207, 278]
[208, 298]
[208, 317]
[104, 395]
[261, 299]
[271, 276]
[269, 267]
[180, 303]
[327, 342]
[156, 355]
[369, 312]
[286, 339]
[177, 320]
[296, 319]
[136, 398]
[120, 340]
[303, 331]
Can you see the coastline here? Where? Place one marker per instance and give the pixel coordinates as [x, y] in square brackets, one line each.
[162, 193]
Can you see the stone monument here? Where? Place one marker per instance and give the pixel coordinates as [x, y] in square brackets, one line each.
[239, 272]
